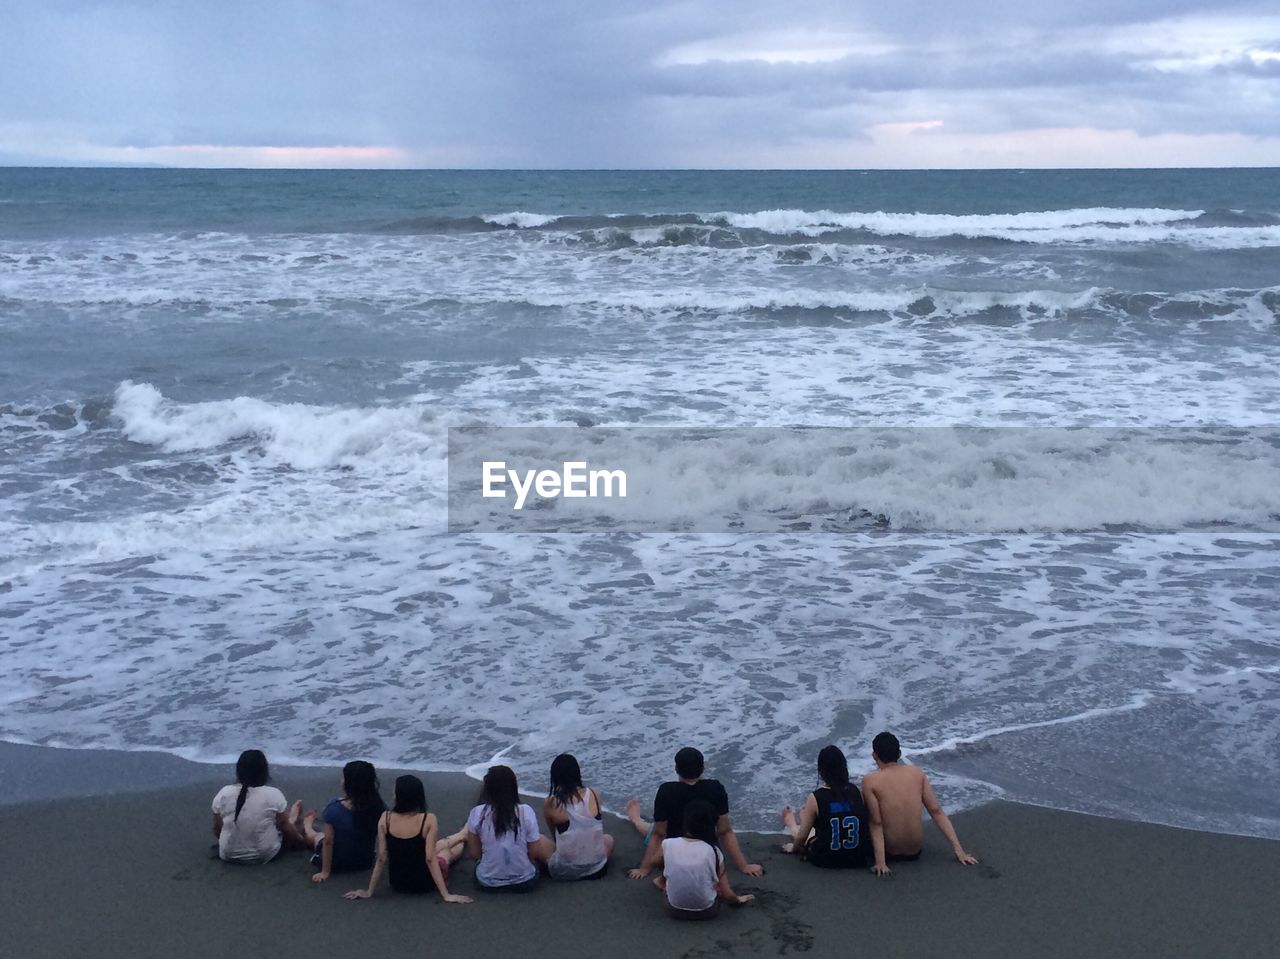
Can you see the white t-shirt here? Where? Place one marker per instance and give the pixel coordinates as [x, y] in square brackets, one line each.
[504, 860]
[692, 869]
[254, 837]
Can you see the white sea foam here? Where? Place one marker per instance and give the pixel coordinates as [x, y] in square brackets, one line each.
[301, 436]
[520, 219]
[942, 224]
[250, 546]
[1087, 225]
[917, 634]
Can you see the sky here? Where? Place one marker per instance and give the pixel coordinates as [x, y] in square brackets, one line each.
[640, 84]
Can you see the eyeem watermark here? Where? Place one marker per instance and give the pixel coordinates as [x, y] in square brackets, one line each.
[573, 481]
[861, 481]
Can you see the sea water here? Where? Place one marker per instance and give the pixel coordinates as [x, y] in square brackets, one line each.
[225, 400]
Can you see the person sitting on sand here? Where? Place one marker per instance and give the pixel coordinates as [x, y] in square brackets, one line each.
[249, 818]
[502, 835]
[894, 795]
[350, 834]
[575, 820]
[408, 849]
[831, 830]
[693, 880]
[668, 814]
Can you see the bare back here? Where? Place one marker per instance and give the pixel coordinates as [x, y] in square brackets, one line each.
[899, 791]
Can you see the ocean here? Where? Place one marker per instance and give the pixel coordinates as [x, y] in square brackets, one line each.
[225, 405]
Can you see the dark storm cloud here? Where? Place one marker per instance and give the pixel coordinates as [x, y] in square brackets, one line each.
[575, 83]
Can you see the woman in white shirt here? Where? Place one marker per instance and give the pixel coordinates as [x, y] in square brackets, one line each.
[693, 879]
[502, 835]
[250, 818]
[575, 821]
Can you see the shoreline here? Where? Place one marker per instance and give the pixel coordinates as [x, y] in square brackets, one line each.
[123, 867]
[110, 766]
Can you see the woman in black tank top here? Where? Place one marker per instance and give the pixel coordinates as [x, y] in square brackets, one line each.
[832, 829]
[408, 850]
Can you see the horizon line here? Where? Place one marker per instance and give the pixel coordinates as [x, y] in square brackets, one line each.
[430, 169]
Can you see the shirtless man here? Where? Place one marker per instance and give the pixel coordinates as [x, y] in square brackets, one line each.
[894, 794]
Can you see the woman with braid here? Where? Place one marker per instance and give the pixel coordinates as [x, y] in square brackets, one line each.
[832, 828]
[249, 817]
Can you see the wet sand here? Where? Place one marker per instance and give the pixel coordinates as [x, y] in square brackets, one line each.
[108, 855]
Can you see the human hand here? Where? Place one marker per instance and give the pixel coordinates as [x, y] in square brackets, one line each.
[320, 877]
[637, 873]
[743, 899]
[457, 899]
[752, 869]
[964, 858]
[881, 869]
[358, 894]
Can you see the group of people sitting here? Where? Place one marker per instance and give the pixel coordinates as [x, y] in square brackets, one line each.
[839, 826]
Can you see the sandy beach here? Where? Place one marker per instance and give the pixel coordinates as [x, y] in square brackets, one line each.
[108, 855]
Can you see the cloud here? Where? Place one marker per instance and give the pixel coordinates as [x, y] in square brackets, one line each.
[568, 83]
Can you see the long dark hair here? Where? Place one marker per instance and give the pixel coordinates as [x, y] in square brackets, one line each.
[833, 768]
[566, 779]
[360, 783]
[251, 770]
[700, 821]
[501, 793]
[410, 796]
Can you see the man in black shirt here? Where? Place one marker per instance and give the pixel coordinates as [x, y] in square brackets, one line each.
[668, 814]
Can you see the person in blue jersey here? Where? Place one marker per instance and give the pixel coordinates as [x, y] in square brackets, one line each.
[832, 828]
[668, 815]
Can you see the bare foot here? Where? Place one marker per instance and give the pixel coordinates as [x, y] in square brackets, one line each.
[295, 815]
[309, 828]
[637, 820]
[789, 818]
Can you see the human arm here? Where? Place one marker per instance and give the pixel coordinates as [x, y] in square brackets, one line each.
[881, 867]
[326, 855]
[944, 824]
[222, 806]
[554, 815]
[433, 862]
[729, 843]
[474, 849]
[725, 891]
[539, 847]
[379, 862]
